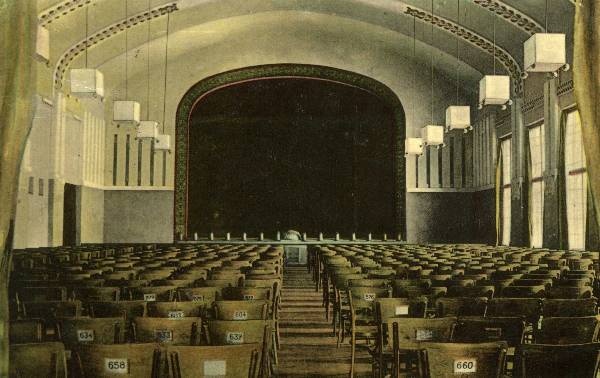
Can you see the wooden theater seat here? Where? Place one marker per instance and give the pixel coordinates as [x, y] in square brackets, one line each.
[37, 360]
[175, 331]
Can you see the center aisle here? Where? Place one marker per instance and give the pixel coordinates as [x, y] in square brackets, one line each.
[308, 347]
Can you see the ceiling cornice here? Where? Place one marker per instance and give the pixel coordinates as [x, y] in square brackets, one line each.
[512, 15]
[63, 8]
[113, 29]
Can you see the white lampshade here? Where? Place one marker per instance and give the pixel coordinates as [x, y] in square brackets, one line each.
[413, 146]
[494, 90]
[147, 130]
[432, 135]
[126, 112]
[87, 82]
[545, 52]
[458, 117]
[163, 142]
[42, 45]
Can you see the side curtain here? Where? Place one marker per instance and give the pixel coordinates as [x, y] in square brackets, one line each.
[18, 26]
[561, 187]
[586, 77]
[592, 231]
[499, 186]
[529, 190]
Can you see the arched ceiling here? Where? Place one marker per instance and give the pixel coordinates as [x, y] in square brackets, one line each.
[200, 23]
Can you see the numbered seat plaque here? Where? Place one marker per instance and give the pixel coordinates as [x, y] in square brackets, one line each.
[163, 335]
[240, 315]
[85, 335]
[116, 365]
[401, 310]
[248, 297]
[215, 368]
[235, 338]
[176, 314]
[465, 365]
[150, 297]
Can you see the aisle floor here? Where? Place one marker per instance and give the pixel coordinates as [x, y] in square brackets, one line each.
[308, 347]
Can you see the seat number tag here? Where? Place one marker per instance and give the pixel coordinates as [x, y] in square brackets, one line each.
[215, 368]
[401, 310]
[248, 297]
[85, 335]
[150, 297]
[163, 335]
[235, 338]
[176, 314]
[424, 334]
[197, 298]
[465, 365]
[116, 365]
[240, 315]
[369, 297]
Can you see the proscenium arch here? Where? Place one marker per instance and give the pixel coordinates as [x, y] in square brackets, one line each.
[212, 83]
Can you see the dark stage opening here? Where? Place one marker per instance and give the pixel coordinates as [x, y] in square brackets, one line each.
[292, 153]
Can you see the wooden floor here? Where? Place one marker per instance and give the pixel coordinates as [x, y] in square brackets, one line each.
[308, 347]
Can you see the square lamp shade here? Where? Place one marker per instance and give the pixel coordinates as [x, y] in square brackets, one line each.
[42, 45]
[494, 90]
[163, 142]
[432, 135]
[413, 146]
[147, 130]
[127, 112]
[87, 82]
[458, 117]
[545, 52]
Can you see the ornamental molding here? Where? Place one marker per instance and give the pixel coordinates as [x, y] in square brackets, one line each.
[63, 8]
[512, 15]
[476, 40]
[74, 51]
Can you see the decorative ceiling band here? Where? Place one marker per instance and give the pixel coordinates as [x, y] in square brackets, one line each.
[514, 16]
[109, 31]
[61, 9]
[509, 63]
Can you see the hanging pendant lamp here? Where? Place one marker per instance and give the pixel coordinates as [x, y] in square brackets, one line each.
[86, 82]
[163, 141]
[494, 89]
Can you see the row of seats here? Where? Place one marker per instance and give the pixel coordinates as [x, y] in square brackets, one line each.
[442, 310]
[177, 311]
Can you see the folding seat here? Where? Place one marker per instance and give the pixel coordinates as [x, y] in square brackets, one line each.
[206, 295]
[471, 291]
[447, 360]
[126, 309]
[156, 274]
[84, 330]
[242, 310]
[176, 331]
[52, 309]
[40, 294]
[174, 282]
[99, 294]
[37, 360]
[571, 330]
[524, 291]
[569, 307]
[569, 292]
[120, 275]
[414, 330]
[152, 293]
[247, 293]
[565, 361]
[175, 309]
[131, 360]
[479, 329]
[399, 285]
[526, 308]
[235, 361]
[233, 282]
[27, 331]
[461, 306]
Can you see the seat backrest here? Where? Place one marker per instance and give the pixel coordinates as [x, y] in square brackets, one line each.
[247, 293]
[400, 307]
[231, 332]
[84, 330]
[542, 360]
[417, 330]
[471, 291]
[39, 294]
[535, 291]
[206, 295]
[52, 309]
[127, 309]
[528, 308]
[175, 309]
[447, 360]
[26, 331]
[241, 310]
[461, 306]
[131, 360]
[175, 331]
[479, 329]
[103, 294]
[569, 307]
[37, 360]
[571, 330]
[235, 361]
[569, 292]
[153, 293]
[363, 297]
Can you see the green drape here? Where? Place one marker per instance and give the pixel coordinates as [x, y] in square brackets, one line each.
[18, 26]
[592, 231]
[561, 186]
[499, 200]
[586, 77]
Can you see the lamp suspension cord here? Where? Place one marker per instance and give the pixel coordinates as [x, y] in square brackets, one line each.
[414, 74]
[431, 63]
[546, 17]
[166, 69]
[457, 51]
[87, 13]
[148, 64]
[126, 49]
[494, 42]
